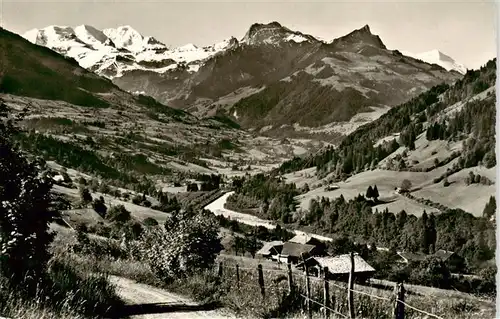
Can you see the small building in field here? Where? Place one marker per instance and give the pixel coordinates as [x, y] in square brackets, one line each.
[453, 261]
[270, 249]
[339, 267]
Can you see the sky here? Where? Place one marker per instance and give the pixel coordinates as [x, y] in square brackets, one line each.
[464, 30]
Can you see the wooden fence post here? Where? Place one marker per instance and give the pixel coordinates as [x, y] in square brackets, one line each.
[326, 293]
[238, 275]
[308, 288]
[290, 279]
[220, 269]
[350, 297]
[261, 281]
[399, 307]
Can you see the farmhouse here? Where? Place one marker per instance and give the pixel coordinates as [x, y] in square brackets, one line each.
[453, 261]
[304, 239]
[339, 267]
[270, 249]
[292, 252]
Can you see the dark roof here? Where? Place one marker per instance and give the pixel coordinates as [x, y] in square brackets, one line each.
[295, 250]
[270, 248]
[443, 254]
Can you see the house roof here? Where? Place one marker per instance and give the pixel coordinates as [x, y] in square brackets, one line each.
[304, 239]
[443, 254]
[341, 264]
[412, 256]
[270, 247]
[295, 249]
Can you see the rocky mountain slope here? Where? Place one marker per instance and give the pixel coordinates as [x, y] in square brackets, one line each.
[274, 79]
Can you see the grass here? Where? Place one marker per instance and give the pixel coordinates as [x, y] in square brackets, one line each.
[65, 293]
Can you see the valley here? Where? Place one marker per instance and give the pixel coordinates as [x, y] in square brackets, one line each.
[140, 180]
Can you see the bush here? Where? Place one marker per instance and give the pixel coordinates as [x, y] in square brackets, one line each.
[99, 206]
[406, 185]
[85, 195]
[118, 214]
[150, 221]
[25, 211]
[188, 243]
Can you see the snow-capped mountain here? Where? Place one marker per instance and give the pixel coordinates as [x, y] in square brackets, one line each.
[113, 52]
[274, 34]
[439, 58]
[273, 77]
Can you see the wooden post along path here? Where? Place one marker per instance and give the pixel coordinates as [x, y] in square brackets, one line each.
[326, 293]
[290, 278]
[308, 288]
[350, 297]
[399, 307]
[261, 281]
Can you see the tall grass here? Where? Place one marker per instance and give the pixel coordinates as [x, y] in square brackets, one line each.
[67, 290]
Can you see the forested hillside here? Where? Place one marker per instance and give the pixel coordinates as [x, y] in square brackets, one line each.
[474, 123]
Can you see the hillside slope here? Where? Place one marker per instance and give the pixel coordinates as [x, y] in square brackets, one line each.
[443, 141]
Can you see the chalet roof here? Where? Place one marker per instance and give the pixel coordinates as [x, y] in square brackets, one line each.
[272, 247]
[295, 249]
[304, 239]
[443, 254]
[341, 264]
[412, 256]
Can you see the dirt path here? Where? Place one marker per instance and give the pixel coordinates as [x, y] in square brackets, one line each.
[147, 302]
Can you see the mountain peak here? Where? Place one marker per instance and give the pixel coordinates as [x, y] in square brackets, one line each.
[273, 33]
[364, 35]
[437, 57]
[366, 28]
[125, 37]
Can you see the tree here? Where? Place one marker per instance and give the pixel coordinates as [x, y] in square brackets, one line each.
[99, 206]
[192, 187]
[25, 211]
[118, 214]
[251, 244]
[369, 192]
[188, 243]
[85, 195]
[405, 185]
[375, 193]
[490, 208]
[150, 222]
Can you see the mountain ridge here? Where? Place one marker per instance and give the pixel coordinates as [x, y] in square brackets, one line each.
[313, 82]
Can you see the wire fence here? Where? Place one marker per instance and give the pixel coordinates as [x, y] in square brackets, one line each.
[295, 278]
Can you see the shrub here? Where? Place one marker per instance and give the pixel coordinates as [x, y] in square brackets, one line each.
[150, 221]
[99, 206]
[25, 211]
[118, 214]
[406, 185]
[85, 195]
[188, 243]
